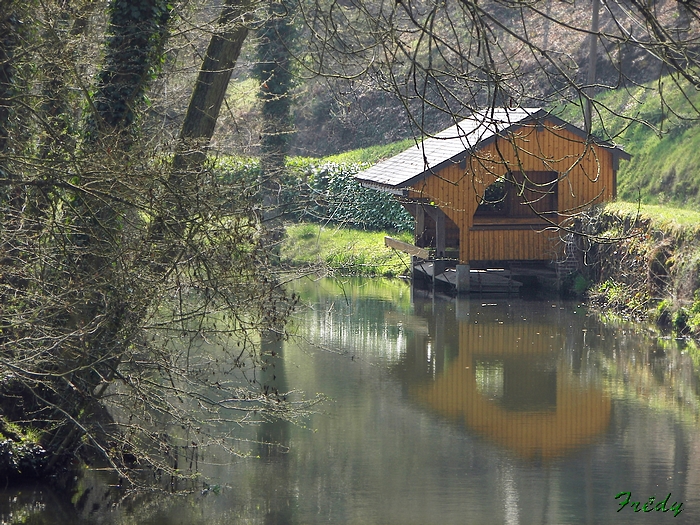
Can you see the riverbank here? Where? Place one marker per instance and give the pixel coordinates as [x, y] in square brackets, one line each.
[21, 455]
[644, 264]
[637, 262]
[333, 250]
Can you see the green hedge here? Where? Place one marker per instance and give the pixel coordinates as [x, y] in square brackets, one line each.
[314, 190]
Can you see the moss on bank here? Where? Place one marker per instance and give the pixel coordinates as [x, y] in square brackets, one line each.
[21, 455]
[343, 251]
[651, 267]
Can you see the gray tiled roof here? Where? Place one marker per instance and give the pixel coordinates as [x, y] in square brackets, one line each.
[450, 145]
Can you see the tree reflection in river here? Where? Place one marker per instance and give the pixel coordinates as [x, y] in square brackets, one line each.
[484, 411]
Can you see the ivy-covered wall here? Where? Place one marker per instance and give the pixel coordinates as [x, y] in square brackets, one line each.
[313, 190]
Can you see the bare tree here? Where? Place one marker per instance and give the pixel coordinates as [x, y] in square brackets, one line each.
[458, 57]
[135, 282]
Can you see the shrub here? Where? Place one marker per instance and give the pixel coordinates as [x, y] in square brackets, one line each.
[662, 313]
[679, 321]
[340, 199]
[324, 192]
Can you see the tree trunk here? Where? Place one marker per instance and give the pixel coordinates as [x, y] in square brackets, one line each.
[275, 77]
[97, 323]
[200, 120]
[210, 89]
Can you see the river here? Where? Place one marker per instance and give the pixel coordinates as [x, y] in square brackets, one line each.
[486, 410]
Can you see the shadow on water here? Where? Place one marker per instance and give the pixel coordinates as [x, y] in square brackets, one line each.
[273, 441]
[36, 504]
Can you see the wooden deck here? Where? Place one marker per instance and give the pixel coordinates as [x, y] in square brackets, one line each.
[480, 281]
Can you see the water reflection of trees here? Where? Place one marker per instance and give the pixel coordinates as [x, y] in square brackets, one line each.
[654, 371]
[386, 433]
[423, 340]
[356, 317]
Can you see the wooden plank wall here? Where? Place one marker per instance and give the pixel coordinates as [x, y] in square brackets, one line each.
[585, 176]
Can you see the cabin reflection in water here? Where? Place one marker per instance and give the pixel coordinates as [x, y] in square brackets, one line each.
[509, 382]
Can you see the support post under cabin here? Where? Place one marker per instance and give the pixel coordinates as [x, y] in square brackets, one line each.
[463, 273]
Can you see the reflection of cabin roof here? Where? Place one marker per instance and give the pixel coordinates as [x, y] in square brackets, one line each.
[455, 143]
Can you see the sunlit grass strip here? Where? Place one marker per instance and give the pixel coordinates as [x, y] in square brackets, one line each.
[663, 217]
[343, 251]
[371, 154]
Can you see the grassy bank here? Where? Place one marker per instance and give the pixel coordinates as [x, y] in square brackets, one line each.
[649, 270]
[676, 221]
[343, 251]
[21, 456]
[371, 154]
[652, 270]
[661, 135]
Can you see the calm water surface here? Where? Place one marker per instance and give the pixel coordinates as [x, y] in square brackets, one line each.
[479, 411]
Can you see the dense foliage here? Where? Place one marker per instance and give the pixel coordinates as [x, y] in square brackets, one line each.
[340, 199]
[325, 192]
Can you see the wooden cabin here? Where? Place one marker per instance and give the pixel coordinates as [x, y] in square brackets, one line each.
[496, 186]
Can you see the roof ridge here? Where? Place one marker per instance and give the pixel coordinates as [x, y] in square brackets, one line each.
[455, 143]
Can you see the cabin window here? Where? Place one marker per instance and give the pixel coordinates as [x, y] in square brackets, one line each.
[519, 198]
[493, 203]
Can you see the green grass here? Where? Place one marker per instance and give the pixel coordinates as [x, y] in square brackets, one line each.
[371, 154]
[28, 434]
[343, 251]
[665, 218]
[660, 132]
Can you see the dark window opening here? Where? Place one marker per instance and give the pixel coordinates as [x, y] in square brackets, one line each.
[494, 200]
[519, 198]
